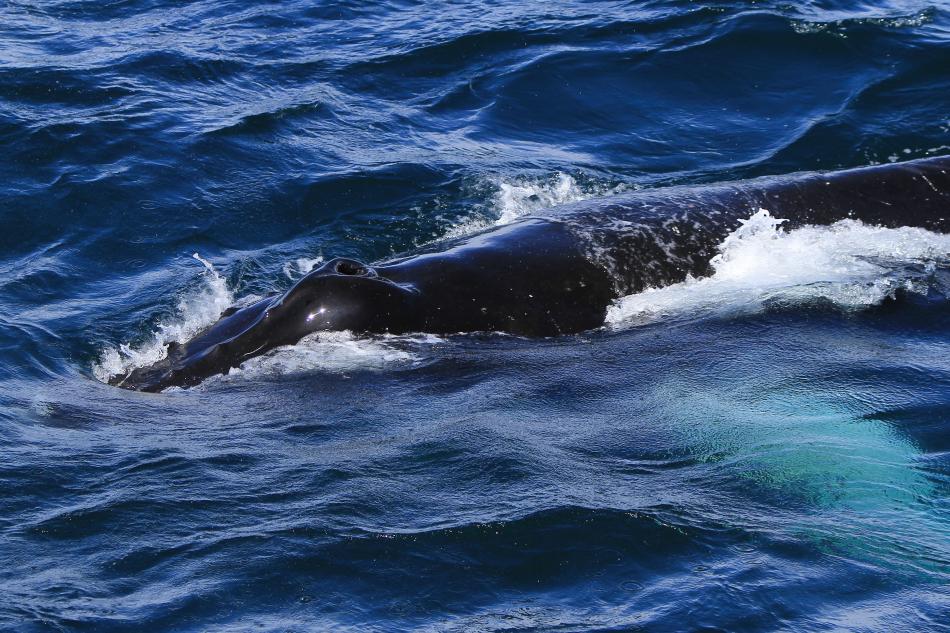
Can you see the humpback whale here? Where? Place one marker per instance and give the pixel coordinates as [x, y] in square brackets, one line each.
[552, 274]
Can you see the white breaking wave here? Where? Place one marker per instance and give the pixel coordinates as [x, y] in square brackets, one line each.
[519, 197]
[196, 311]
[848, 263]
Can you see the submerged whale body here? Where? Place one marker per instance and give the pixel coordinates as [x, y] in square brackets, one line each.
[544, 276]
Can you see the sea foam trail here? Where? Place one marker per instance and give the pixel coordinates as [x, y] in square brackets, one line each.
[848, 263]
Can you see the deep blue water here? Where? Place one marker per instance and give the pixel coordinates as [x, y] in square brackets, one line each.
[736, 459]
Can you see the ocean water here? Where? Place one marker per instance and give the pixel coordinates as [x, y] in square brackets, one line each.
[764, 449]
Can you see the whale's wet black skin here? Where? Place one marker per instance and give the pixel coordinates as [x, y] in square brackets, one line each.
[544, 276]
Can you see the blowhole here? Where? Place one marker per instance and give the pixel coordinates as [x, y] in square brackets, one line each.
[349, 267]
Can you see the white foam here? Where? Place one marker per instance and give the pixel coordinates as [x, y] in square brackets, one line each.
[837, 22]
[195, 311]
[338, 352]
[849, 263]
[516, 198]
[519, 198]
[301, 266]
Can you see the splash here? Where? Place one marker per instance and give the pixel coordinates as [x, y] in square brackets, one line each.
[301, 266]
[850, 264]
[519, 197]
[195, 311]
[516, 199]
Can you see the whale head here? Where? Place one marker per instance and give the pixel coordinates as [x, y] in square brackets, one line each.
[342, 294]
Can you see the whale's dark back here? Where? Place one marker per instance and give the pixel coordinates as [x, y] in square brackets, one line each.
[914, 193]
[656, 237]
